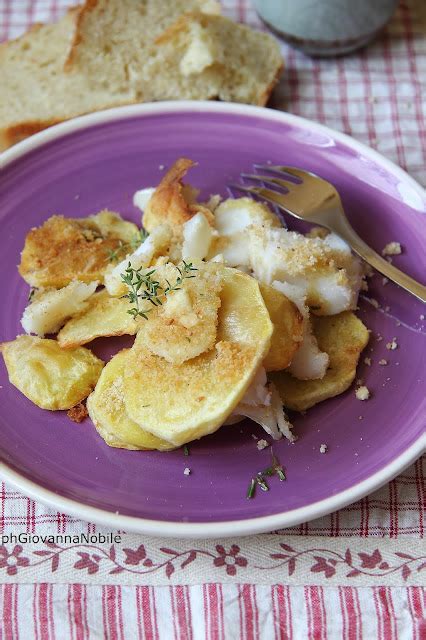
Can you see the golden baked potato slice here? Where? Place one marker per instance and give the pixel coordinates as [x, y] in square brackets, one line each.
[182, 402]
[343, 337]
[108, 413]
[105, 316]
[51, 377]
[173, 202]
[66, 249]
[288, 328]
[185, 324]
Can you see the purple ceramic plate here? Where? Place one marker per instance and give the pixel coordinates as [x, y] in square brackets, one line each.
[100, 160]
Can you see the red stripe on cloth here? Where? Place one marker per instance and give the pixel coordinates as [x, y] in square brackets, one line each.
[293, 81]
[385, 613]
[139, 611]
[418, 102]
[41, 611]
[212, 612]
[174, 616]
[319, 100]
[343, 101]
[120, 612]
[188, 611]
[393, 509]
[421, 493]
[7, 600]
[221, 611]
[351, 614]
[393, 92]
[364, 532]
[249, 617]
[51, 613]
[280, 596]
[154, 612]
[35, 612]
[368, 102]
[317, 621]
[181, 613]
[417, 606]
[146, 618]
[3, 502]
[111, 613]
[15, 613]
[78, 611]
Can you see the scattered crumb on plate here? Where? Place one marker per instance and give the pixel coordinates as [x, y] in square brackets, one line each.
[262, 444]
[392, 249]
[367, 361]
[186, 471]
[362, 393]
[78, 413]
[323, 448]
[383, 362]
[391, 346]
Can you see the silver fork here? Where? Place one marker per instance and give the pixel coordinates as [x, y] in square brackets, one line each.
[315, 200]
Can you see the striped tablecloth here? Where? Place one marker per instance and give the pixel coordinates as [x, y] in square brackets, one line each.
[358, 573]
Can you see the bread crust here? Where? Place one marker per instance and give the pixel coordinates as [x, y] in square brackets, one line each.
[81, 11]
[264, 97]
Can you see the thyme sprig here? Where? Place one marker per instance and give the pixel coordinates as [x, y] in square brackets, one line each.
[144, 288]
[275, 469]
[126, 247]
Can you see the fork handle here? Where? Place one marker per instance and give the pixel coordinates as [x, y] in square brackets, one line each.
[344, 229]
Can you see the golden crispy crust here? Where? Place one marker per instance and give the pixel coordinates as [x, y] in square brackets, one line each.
[169, 203]
[65, 249]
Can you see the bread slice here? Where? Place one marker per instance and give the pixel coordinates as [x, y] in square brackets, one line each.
[209, 57]
[113, 52]
[114, 39]
[35, 91]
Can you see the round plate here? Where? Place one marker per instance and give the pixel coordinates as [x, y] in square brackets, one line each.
[100, 160]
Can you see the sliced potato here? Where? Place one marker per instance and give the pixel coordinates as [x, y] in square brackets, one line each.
[343, 337]
[51, 377]
[288, 328]
[105, 316]
[185, 324]
[108, 414]
[182, 402]
[173, 202]
[66, 249]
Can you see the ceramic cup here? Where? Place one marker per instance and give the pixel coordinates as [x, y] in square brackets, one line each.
[326, 27]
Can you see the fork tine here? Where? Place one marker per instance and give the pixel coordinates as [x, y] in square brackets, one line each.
[284, 184]
[242, 187]
[296, 173]
[269, 195]
[273, 168]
